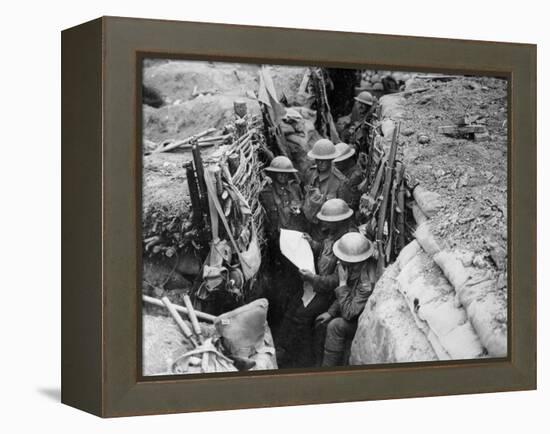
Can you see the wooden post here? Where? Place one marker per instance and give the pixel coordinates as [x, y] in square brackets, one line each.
[201, 315]
[240, 108]
[199, 170]
[194, 194]
[181, 324]
[193, 318]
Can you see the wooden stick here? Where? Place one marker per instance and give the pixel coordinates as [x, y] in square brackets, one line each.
[437, 77]
[193, 318]
[181, 324]
[201, 315]
[183, 142]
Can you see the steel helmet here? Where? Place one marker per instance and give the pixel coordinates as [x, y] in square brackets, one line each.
[365, 98]
[334, 210]
[345, 151]
[281, 164]
[323, 149]
[353, 247]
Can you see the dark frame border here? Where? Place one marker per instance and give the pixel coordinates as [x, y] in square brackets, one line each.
[121, 393]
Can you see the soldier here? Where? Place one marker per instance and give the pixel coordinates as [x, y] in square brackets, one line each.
[323, 182]
[351, 126]
[282, 201]
[337, 218]
[355, 284]
[292, 127]
[298, 343]
[352, 170]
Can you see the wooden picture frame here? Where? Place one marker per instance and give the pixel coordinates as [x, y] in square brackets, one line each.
[101, 216]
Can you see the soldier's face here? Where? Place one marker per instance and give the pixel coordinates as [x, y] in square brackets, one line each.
[281, 178]
[323, 166]
[363, 108]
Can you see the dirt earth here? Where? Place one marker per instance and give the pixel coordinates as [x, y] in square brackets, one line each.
[216, 87]
[470, 176]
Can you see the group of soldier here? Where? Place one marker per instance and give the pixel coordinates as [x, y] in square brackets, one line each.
[321, 201]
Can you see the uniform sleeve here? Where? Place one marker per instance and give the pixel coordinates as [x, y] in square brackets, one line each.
[316, 247]
[344, 192]
[325, 284]
[334, 309]
[353, 187]
[351, 305]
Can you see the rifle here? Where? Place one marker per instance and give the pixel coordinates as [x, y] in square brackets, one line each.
[385, 200]
[401, 215]
[393, 202]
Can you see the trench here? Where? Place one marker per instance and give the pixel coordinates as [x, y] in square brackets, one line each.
[422, 308]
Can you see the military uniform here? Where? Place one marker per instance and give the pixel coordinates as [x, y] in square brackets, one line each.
[283, 207]
[349, 304]
[319, 189]
[331, 185]
[355, 176]
[299, 343]
[326, 278]
[283, 210]
[353, 132]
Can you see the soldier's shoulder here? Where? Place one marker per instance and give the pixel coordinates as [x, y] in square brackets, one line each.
[293, 183]
[338, 174]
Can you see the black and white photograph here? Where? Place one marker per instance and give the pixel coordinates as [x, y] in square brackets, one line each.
[310, 218]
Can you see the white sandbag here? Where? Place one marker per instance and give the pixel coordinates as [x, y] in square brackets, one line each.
[387, 126]
[386, 331]
[484, 303]
[428, 201]
[425, 238]
[392, 106]
[407, 253]
[431, 301]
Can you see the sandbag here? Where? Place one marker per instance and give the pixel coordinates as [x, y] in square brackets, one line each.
[386, 330]
[431, 301]
[484, 303]
[428, 201]
[407, 253]
[425, 238]
[387, 126]
[243, 329]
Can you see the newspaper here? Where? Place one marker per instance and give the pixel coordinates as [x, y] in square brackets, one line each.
[298, 251]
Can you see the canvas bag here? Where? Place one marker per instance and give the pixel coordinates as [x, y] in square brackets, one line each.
[243, 329]
[250, 259]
